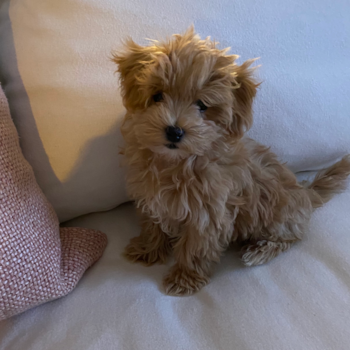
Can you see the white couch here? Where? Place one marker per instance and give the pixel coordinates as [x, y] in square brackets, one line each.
[63, 95]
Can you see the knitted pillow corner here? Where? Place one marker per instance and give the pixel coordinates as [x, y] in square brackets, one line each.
[39, 261]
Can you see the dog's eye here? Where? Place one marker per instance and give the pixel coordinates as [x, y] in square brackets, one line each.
[158, 97]
[201, 105]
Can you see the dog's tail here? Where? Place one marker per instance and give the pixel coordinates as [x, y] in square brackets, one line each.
[329, 182]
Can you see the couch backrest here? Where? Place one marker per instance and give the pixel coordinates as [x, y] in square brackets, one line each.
[56, 70]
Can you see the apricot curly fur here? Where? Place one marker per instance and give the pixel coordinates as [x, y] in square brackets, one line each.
[215, 186]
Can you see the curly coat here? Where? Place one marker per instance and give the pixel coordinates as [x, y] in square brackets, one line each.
[215, 186]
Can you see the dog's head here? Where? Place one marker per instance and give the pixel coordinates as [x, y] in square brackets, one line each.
[185, 94]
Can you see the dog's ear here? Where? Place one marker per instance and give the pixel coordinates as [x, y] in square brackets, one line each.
[244, 90]
[133, 64]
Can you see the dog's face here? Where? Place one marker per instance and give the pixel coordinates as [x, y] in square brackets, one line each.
[184, 95]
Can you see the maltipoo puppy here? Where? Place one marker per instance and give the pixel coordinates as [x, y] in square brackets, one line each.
[197, 182]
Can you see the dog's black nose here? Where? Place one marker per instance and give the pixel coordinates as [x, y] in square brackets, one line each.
[174, 134]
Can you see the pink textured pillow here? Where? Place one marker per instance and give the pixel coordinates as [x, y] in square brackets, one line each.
[38, 260]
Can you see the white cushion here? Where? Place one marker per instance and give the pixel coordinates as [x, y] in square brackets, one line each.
[300, 300]
[66, 103]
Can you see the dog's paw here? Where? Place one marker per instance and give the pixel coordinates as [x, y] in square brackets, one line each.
[262, 252]
[137, 253]
[183, 282]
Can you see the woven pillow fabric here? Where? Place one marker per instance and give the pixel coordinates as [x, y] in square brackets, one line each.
[39, 261]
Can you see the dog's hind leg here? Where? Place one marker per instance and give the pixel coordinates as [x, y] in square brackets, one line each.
[263, 251]
[287, 227]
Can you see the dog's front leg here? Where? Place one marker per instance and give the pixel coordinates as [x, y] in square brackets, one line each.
[194, 253]
[151, 246]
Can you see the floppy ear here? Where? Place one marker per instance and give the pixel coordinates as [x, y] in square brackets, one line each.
[244, 91]
[133, 64]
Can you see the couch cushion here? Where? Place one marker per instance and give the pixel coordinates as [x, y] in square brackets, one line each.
[38, 261]
[54, 62]
[300, 300]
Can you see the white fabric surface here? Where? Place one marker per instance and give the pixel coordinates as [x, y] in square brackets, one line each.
[69, 120]
[301, 300]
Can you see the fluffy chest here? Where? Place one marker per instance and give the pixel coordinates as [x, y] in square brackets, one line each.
[193, 191]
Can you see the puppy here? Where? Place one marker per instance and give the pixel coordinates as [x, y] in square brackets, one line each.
[197, 182]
